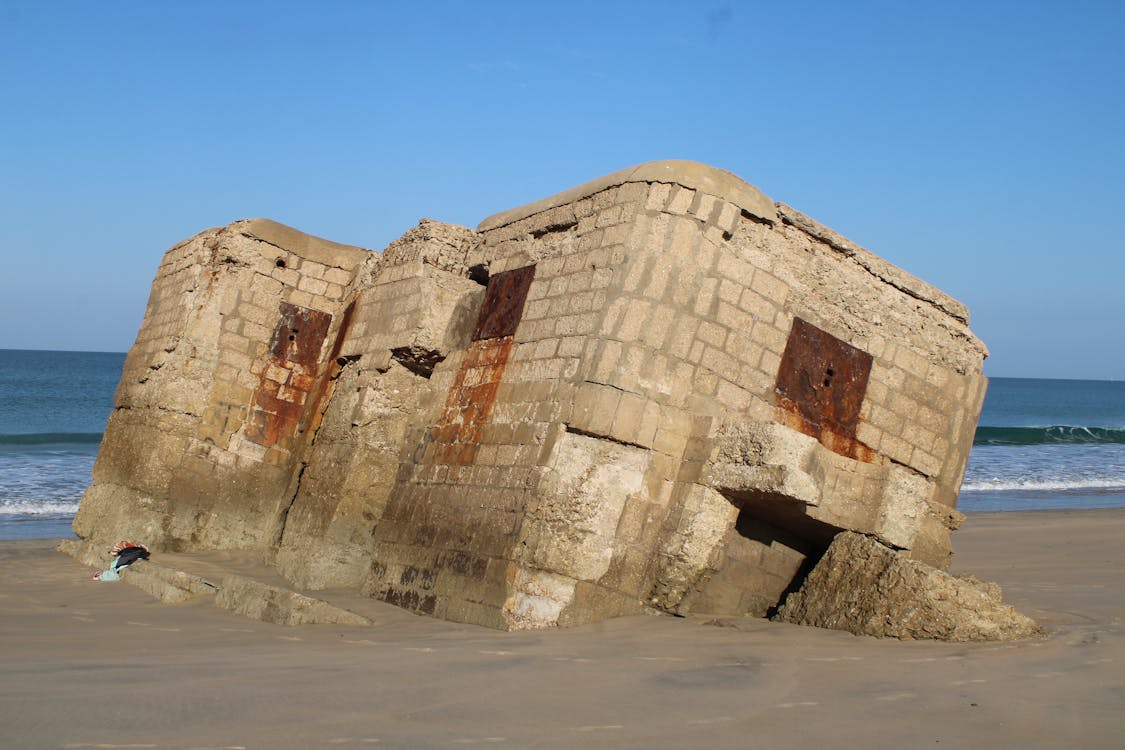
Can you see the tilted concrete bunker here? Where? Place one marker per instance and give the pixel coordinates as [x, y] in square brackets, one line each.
[659, 389]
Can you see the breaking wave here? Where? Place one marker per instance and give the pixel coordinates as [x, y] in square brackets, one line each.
[39, 508]
[1055, 435]
[1007, 484]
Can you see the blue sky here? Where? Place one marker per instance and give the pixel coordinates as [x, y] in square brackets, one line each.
[979, 145]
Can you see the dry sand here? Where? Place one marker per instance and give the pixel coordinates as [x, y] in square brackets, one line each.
[101, 665]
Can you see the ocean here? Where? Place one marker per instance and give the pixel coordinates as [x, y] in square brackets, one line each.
[1048, 444]
[1041, 444]
[53, 410]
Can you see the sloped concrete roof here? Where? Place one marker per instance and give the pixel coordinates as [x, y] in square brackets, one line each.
[690, 174]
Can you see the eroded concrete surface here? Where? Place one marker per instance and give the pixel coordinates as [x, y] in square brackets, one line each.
[657, 391]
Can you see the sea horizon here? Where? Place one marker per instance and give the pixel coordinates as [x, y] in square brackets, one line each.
[1041, 443]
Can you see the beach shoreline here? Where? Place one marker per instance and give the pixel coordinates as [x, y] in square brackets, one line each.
[100, 664]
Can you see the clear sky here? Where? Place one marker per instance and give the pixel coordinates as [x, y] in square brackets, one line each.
[979, 145]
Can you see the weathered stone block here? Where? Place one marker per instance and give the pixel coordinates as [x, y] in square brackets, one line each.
[866, 588]
[260, 601]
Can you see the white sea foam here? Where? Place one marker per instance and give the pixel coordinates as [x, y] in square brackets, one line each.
[39, 482]
[1092, 484]
[1041, 468]
[39, 508]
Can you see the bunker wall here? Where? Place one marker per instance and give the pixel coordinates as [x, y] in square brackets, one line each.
[659, 389]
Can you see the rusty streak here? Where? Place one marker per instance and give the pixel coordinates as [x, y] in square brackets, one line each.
[455, 439]
[288, 377]
[457, 434]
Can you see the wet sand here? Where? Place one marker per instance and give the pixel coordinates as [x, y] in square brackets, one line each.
[102, 665]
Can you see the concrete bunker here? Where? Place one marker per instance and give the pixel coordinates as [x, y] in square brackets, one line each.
[659, 389]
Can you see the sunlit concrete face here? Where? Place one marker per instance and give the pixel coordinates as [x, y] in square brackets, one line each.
[657, 390]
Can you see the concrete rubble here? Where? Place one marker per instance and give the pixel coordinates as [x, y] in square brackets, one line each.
[865, 588]
[659, 390]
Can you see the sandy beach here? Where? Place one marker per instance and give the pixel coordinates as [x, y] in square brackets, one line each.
[102, 665]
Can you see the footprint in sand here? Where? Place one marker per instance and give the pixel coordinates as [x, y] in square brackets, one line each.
[477, 740]
[351, 740]
[714, 720]
[896, 697]
[149, 625]
[76, 745]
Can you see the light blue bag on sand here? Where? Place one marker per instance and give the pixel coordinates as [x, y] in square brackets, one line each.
[110, 574]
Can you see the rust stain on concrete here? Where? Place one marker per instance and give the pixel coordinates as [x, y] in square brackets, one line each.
[456, 436]
[326, 384]
[288, 376]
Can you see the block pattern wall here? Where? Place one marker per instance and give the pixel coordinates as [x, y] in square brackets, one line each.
[660, 389]
[205, 453]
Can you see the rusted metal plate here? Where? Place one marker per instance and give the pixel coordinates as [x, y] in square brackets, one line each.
[503, 303]
[821, 383]
[299, 335]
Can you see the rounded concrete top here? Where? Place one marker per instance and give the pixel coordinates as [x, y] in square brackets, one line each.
[306, 245]
[689, 174]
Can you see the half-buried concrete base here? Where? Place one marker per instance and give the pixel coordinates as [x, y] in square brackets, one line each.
[189, 578]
